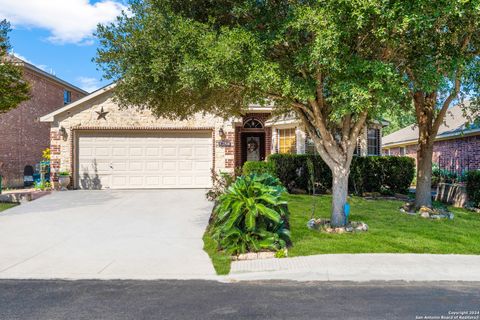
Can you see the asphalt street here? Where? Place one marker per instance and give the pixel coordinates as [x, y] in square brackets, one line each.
[190, 299]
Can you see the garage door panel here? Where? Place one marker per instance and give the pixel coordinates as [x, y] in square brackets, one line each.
[145, 160]
[135, 165]
[202, 165]
[169, 151]
[152, 165]
[185, 165]
[152, 151]
[135, 152]
[169, 165]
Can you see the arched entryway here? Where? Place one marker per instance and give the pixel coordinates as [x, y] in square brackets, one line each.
[252, 138]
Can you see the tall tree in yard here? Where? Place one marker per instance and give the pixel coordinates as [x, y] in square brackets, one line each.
[13, 88]
[436, 46]
[317, 59]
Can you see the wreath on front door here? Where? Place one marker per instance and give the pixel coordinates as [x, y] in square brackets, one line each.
[252, 145]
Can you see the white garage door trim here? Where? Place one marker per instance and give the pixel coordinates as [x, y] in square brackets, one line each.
[138, 159]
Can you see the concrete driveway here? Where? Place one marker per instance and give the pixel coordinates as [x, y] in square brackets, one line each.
[147, 234]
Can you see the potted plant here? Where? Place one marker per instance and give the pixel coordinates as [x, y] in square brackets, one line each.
[63, 179]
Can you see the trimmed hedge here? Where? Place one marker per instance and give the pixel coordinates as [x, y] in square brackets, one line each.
[473, 187]
[385, 174]
[293, 170]
[258, 167]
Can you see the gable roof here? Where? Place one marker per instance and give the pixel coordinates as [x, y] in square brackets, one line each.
[254, 108]
[454, 125]
[51, 116]
[47, 75]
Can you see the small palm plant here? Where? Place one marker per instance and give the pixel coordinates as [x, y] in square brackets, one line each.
[251, 216]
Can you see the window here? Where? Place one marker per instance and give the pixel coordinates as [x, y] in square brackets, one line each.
[403, 150]
[286, 140]
[252, 124]
[373, 142]
[67, 97]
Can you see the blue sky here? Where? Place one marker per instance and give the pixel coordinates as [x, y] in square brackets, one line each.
[56, 35]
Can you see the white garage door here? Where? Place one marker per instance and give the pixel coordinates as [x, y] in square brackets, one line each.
[144, 160]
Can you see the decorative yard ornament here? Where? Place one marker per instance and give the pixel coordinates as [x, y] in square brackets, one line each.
[102, 114]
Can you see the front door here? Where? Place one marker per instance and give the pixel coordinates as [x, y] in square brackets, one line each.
[253, 146]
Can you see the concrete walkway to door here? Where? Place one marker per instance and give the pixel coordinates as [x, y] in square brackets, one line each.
[128, 234]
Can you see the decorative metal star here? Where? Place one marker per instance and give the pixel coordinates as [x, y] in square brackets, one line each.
[102, 114]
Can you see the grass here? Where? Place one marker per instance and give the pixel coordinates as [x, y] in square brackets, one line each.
[5, 206]
[220, 260]
[389, 230]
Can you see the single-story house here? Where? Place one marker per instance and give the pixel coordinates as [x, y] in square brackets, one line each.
[22, 136]
[105, 146]
[456, 147]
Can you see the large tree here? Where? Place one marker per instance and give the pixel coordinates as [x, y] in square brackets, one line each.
[436, 46]
[13, 88]
[318, 59]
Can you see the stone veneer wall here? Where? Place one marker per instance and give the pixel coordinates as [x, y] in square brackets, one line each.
[85, 116]
[462, 151]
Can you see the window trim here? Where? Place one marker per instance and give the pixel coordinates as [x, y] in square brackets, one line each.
[293, 147]
[377, 141]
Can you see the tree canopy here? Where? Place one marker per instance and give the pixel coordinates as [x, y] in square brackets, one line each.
[179, 57]
[13, 88]
[436, 48]
[319, 59]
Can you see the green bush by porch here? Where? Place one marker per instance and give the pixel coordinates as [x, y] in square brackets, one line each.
[385, 174]
[473, 187]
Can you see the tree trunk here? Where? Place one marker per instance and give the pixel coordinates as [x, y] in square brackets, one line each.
[339, 195]
[423, 194]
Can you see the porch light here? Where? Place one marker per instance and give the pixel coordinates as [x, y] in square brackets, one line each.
[63, 132]
[221, 133]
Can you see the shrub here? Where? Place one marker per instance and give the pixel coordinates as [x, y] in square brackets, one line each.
[257, 167]
[42, 185]
[220, 183]
[295, 172]
[386, 174]
[251, 216]
[473, 187]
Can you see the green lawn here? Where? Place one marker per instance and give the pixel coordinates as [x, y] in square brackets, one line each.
[221, 261]
[389, 231]
[5, 206]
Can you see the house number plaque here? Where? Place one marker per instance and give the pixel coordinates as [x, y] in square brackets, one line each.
[224, 143]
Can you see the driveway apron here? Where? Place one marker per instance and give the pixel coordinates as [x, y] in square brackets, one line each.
[107, 234]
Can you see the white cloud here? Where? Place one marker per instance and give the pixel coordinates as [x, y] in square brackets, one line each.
[69, 21]
[40, 66]
[89, 84]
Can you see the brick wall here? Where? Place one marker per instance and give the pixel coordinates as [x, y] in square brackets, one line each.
[462, 152]
[23, 136]
[85, 116]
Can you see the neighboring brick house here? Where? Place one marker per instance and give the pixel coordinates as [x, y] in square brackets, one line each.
[108, 147]
[22, 136]
[456, 147]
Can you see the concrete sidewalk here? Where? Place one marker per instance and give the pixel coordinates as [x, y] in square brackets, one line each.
[360, 267]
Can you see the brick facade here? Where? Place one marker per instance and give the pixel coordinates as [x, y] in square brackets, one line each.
[460, 153]
[226, 133]
[23, 136]
[84, 116]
